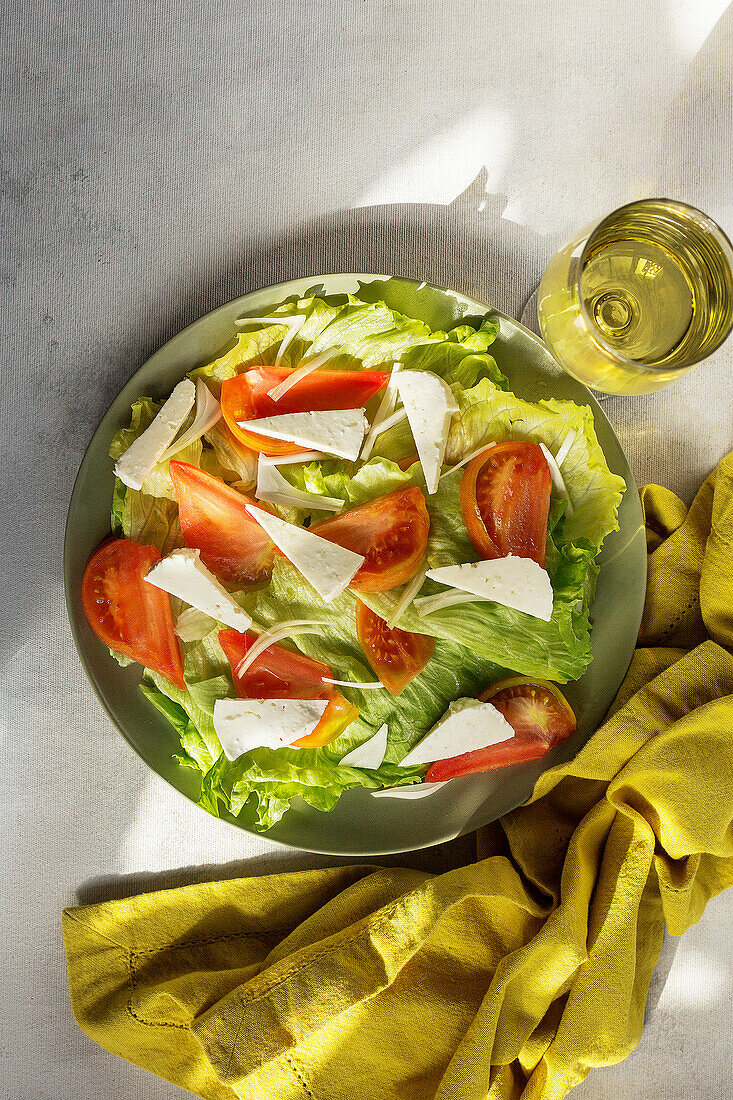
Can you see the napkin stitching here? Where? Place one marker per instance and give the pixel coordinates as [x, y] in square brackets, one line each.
[132, 980]
[725, 539]
[131, 957]
[680, 616]
[299, 1075]
[210, 939]
[370, 926]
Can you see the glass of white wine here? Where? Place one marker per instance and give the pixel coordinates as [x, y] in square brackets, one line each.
[635, 301]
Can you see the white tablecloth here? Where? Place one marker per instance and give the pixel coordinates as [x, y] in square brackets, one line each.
[161, 158]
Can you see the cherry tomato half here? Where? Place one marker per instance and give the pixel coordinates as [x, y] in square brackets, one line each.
[540, 716]
[391, 532]
[505, 500]
[127, 614]
[396, 656]
[215, 521]
[246, 397]
[280, 673]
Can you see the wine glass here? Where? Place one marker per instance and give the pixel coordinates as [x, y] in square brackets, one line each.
[635, 301]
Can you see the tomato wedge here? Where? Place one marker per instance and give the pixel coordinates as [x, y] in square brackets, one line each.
[279, 673]
[215, 521]
[246, 397]
[128, 615]
[505, 500]
[396, 656]
[392, 534]
[540, 716]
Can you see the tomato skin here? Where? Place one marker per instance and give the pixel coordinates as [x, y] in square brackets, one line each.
[128, 615]
[246, 398]
[392, 534]
[214, 519]
[280, 673]
[541, 718]
[505, 500]
[395, 655]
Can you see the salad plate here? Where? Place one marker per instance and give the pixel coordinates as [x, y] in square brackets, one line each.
[366, 821]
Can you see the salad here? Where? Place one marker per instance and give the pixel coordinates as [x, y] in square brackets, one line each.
[347, 555]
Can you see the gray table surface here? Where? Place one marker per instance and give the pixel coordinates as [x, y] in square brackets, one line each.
[159, 159]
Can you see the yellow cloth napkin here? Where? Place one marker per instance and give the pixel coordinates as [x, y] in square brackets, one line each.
[508, 978]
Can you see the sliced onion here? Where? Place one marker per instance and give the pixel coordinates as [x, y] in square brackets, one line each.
[468, 458]
[408, 595]
[567, 443]
[233, 455]
[428, 604]
[289, 460]
[207, 413]
[352, 683]
[385, 409]
[280, 491]
[557, 478]
[275, 633]
[293, 322]
[306, 367]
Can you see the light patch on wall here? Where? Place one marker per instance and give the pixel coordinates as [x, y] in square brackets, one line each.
[444, 166]
[696, 981]
[692, 21]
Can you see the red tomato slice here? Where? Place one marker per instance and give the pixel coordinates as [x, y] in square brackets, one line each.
[246, 398]
[215, 521]
[505, 500]
[540, 716]
[391, 532]
[280, 673]
[128, 615]
[396, 656]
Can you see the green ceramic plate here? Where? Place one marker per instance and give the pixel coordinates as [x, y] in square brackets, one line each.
[364, 823]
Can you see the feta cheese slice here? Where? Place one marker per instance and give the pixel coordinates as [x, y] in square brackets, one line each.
[183, 574]
[244, 724]
[337, 432]
[327, 566]
[371, 753]
[145, 452]
[429, 404]
[468, 724]
[514, 582]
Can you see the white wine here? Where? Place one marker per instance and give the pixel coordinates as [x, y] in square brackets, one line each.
[638, 297]
[648, 293]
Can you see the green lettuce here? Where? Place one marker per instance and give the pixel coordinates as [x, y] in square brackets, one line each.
[148, 515]
[475, 644]
[360, 335]
[274, 777]
[489, 414]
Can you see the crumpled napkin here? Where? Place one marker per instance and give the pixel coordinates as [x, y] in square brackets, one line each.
[508, 978]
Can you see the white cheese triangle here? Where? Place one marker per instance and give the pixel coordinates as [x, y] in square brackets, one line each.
[327, 566]
[371, 753]
[514, 582]
[468, 724]
[183, 574]
[429, 404]
[244, 724]
[145, 452]
[337, 432]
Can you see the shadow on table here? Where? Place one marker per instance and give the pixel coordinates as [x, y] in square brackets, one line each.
[436, 860]
[466, 245]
